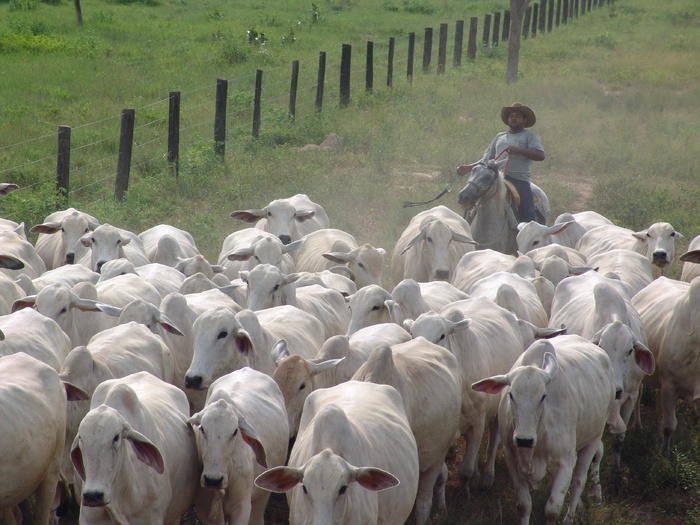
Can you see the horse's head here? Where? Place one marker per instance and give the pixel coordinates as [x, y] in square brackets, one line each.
[480, 183]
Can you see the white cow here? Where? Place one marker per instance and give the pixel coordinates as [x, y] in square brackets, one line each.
[669, 310]
[18, 256]
[412, 298]
[570, 255]
[369, 306]
[629, 267]
[224, 341]
[241, 431]
[690, 259]
[289, 219]
[77, 310]
[486, 340]
[246, 248]
[7, 187]
[657, 242]
[66, 248]
[566, 231]
[111, 354]
[33, 401]
[69, 275]
[430, 247]
[597, 311]
[168, 245]
[10, 291]
[414, 368]
[164, 278]
[29, 332]
[135, 454]
[482, 263]
[321, 249]
[514, 293]
[336, 362]
[269, 287]
[354, 461]
[554, 406]
[107, 242]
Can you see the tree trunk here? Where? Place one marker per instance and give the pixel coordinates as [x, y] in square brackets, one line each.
[517, 10]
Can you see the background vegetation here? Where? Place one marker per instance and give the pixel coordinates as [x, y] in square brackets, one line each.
[615, 91]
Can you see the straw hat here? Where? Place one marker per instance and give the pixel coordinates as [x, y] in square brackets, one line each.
[530, 118]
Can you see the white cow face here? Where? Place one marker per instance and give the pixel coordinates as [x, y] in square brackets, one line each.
[327, 483]
[437, 328]
[267, 286]
[223, 436]
[221, 345]
[106, 243]
[625, 351]
[369, 306]
[101, 446]
[659, 242]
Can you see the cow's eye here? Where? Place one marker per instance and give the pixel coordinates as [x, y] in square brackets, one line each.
[543, 396]
[342, 490]
[222, 334]
[63, 311]
[535, 243]
[376, 308]
[442, 337]
[116, 439]
[234, 433]
[63, 229]
[304, 489]
[269, 214]
[277, 287]
[361, 265]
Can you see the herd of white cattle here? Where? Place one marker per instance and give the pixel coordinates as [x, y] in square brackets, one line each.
[138, 379]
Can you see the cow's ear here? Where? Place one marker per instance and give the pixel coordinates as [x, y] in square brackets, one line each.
[280, 479]
[250, 436]
[375, 479]
[644, 358]
[491, 385]
[76, 457]
[146, 452]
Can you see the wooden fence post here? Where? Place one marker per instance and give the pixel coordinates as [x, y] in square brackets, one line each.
[411, 52]
[543, 16]
[442, 49]
[369, 71]
[346, 55]
[427, 49]
[565, 12]
[471, 44]
[526, 22]
[496, 28]
[583, 7]
[126, 141]
[535, 19]
[506, 25]
[487, 30]
[459, 40]
[220, 117]
[558, 20]
[293, 90]
[174, 133]
[550, 18]
[63, 165]
[321, 80]
[390, 63]
[256, 103]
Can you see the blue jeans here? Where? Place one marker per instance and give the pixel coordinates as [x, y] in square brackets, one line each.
[526, 211]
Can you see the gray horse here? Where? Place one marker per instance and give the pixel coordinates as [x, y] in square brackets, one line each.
[493, 220]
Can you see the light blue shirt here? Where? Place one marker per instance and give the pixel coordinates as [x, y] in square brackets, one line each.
[519, 167]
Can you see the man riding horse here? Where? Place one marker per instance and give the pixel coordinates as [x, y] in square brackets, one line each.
[514, 152]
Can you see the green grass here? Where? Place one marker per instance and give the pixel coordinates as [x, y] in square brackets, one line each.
[615, 93]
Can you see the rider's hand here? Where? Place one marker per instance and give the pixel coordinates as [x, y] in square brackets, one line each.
[463, 170]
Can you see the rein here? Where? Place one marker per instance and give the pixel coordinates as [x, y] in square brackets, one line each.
[446, 189]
